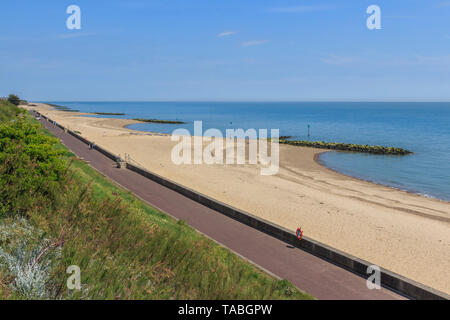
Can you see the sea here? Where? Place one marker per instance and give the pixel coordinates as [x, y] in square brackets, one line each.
[421, 127]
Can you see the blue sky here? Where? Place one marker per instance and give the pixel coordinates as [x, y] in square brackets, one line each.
[225, 50]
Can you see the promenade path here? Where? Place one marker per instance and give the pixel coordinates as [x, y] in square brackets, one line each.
[307, 272]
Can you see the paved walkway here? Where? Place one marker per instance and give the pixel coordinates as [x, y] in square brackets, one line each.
[306, 271]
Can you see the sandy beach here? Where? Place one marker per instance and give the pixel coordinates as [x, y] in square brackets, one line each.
[400, 231]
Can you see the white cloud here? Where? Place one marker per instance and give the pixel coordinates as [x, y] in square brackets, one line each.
[227, 33]
[301, 9]
[253, 43]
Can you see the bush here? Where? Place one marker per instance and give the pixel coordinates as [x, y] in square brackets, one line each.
[31, 171]
[21, 253]
[15, 100]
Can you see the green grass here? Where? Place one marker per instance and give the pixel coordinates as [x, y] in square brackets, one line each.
[127, 249]
[8, 111]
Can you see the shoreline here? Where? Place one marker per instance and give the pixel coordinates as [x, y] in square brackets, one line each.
[378, 223]
[316, 157]
[415, 193]
[447, 220]
[321, 163]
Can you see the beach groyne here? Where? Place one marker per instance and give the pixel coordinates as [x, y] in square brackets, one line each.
[389, 279]
[105, 152]
[159, 121]
[382, 150]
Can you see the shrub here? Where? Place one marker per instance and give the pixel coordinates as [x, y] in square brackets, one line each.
[15, 100]
[21, 254]
[31, 171]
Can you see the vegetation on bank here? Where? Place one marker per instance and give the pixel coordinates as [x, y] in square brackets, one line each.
[347, 147]
[9, 111]
[56, 211]
[14, 99]
[160, 121]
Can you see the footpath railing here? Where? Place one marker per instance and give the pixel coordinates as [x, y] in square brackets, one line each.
[391, 280]
[105, 152]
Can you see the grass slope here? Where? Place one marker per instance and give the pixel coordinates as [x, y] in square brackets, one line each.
[8, 111]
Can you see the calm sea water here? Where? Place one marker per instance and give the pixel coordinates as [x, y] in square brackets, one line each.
[423, 128]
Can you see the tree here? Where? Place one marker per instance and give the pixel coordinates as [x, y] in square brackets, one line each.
[15, 100]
